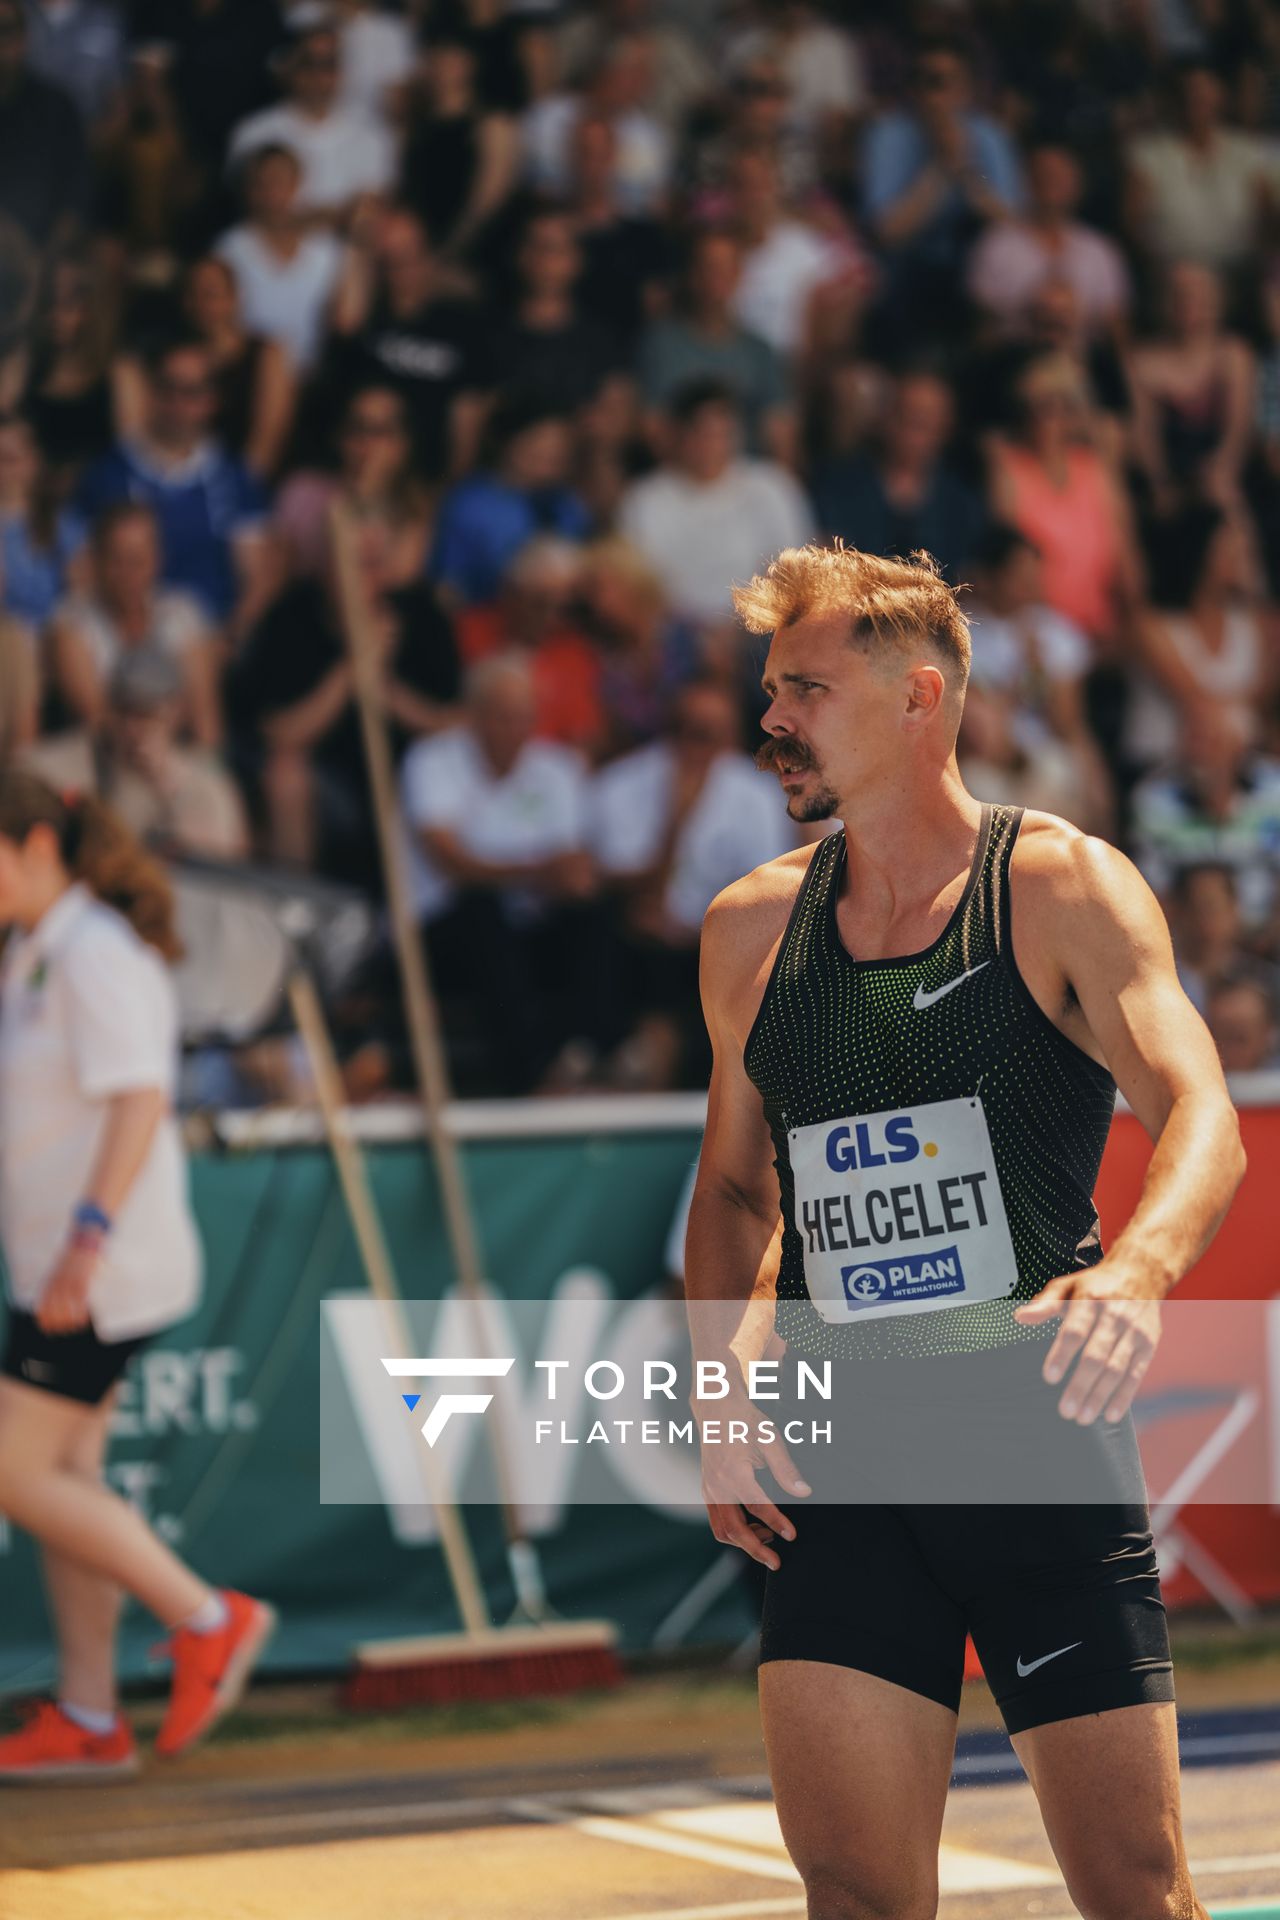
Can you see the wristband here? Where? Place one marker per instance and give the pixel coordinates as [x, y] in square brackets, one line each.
[89, 1218]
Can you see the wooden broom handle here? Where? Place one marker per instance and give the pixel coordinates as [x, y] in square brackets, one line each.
[430, 1068]
[376, 1259]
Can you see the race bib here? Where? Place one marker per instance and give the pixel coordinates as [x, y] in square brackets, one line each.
[901, 1212]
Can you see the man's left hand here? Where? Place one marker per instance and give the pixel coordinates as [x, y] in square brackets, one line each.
[1111, 1319]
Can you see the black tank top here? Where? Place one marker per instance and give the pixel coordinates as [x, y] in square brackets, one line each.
[848, 1049]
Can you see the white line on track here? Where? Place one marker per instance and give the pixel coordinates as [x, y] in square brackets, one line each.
[658, 1840]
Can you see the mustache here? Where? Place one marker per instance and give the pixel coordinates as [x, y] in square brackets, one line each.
[780, 752]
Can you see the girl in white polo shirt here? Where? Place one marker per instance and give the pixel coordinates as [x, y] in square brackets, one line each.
[101, 1254]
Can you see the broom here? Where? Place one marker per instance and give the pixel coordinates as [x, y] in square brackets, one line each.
[534, 1651]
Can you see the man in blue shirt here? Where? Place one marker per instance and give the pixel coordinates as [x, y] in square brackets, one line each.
[933, 174]
[521, 490]
[207, 505]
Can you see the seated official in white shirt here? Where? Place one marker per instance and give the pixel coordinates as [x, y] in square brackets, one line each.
[501, 877]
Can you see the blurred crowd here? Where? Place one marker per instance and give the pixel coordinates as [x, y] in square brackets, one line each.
[582, 313]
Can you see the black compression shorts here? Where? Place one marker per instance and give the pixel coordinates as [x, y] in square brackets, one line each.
[78, 1365]
[1062, 1599]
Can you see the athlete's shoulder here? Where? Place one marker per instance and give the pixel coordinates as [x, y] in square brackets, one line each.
[761, 898]
[1062, 873]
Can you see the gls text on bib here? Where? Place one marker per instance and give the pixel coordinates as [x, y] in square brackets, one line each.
[901, 1211]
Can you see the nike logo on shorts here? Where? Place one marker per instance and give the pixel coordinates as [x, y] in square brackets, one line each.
[1033, 1664]
[923, 999]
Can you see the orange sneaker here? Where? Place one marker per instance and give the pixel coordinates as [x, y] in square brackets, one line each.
[211, 1670]
[53, 1746]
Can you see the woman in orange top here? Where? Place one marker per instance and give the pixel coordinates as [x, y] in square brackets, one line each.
[1048, 480]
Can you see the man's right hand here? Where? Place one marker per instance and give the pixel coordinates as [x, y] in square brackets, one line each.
[740, 1512]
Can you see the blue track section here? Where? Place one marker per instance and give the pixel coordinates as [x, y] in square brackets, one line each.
[1235, 1738]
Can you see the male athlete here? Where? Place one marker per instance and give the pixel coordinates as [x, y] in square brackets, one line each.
[993, 976]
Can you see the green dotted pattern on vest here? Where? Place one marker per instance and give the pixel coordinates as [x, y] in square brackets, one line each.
[837, 1037]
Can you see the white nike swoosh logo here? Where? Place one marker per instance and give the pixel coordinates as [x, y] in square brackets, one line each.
[1033, 1664]
[923, 999]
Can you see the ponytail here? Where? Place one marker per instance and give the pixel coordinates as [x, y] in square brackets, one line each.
[97, 847]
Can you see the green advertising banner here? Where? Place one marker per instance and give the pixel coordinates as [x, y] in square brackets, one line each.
[217, 1435]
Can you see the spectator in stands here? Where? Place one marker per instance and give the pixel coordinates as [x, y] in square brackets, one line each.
[788, 268]
[1219, 800]
[343, 155]
[149, 181]
[1060, 492]
[207, 505]
[461, 159]
[1241, 1016]
[1208, 931]
[535, 615]
[901, 494]
[80, 48]
[502, 880]
[824, 88]
[626, 257]
[705, 341]
[431, 345]
[1193, 397]
[546, 341]
[288, 271]
[37, 542]
[521, 490]
[122, 613]
[618, 87]
[1013, 259]
[253, 375]
[682, 75]
[933, 174]
[171, 793]
[671, 824]
[709, 516]
[1198, 189]
[645, 653]
[44, 162]
[1034, 662]
[754, 114]
[998, 763]
[62, 378]
[1205, 645]
[292, 705]
[376, 474]
[375, 58]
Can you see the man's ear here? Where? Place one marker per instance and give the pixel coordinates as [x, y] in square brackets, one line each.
[926, 691]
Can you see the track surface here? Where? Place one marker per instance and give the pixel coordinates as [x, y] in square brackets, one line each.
[613, 1839]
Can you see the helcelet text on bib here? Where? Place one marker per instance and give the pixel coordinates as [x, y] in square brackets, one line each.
[901, 1211]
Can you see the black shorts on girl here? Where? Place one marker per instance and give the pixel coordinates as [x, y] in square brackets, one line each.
[78, 1365]
[1061, 1596]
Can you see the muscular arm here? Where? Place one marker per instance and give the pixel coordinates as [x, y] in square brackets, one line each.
[1103, 925]
[734, 1212]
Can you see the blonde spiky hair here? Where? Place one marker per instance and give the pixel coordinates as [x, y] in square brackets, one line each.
[894, 602]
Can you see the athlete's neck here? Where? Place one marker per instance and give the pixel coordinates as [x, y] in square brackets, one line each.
[905, 848]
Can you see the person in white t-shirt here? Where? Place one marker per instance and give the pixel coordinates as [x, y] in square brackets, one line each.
[343, 155]
[788, 267]
[101, 1254]
[670, 826]
[708, 517]
[502, 880]
[287, 274]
